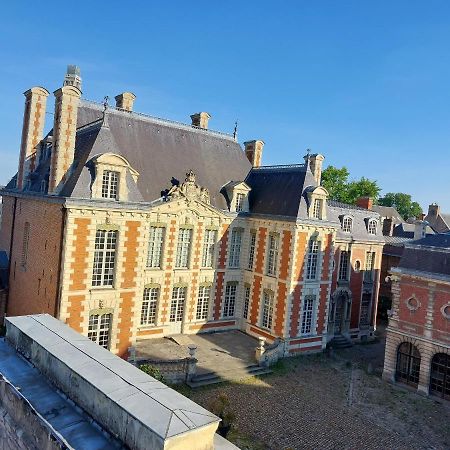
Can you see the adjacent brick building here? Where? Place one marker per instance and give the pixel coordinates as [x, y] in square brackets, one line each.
[128, 227]
[418, 335]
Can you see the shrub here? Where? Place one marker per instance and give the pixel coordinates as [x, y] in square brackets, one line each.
[152, 371]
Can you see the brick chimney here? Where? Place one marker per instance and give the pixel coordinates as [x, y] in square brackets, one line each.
[433, 210]
[67, 99]
[200, 120]
[125, 101]
[32, 131]
[365, 202]
[253, 151]
[315, 164]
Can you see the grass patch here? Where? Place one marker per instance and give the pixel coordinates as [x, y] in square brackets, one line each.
[244, 442]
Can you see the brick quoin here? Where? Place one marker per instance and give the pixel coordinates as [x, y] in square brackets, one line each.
[285, 254]
[280, 308]
[125, 324]
[130, 254]
[79, 254]
[259, 266]
[75, 312]
[223, 247]
[323, 294]
[166, 294]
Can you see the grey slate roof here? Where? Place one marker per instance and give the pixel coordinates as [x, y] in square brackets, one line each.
[406, 230]
[388, 212]
[440, 223]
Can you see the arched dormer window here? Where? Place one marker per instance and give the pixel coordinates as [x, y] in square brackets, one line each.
[347, 224]
[317, 200]
[372, 226]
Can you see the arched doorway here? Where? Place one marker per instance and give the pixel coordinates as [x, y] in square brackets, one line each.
[440, 375]
[408, 364]
[340, 308]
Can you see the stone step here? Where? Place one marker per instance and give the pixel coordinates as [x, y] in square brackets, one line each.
[341, 342]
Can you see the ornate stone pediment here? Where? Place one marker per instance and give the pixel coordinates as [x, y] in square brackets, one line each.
[190, 190]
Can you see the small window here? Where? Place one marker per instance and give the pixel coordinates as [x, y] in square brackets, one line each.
[246, 302]
[267, 310]
[347, 224]
[372, 226]
[317, 208]
[110, 185]
[230, 300]
[149, 306]
[203, 302]
[100, 329]
[240, 198]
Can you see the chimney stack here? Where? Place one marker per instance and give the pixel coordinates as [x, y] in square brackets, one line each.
[67, 99]
[32, 131]
[200, 120]
[388, 226]
[420, 229]
[315, 164]
[365, 202]
[253, 151]
[433, 210]
[125, 101]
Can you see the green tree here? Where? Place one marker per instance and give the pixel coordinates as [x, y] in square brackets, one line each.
[362, 188]
[402, 203]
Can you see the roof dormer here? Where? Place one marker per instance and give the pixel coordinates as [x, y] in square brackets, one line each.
[317, 202]
[236, 193]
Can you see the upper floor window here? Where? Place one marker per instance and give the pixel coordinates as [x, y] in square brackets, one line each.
[251, 250]
[312, 262]
[104, 258]
[203, 302]
[149, 306]
[155, 246]
[183, 248]
[344, 260]
[347, 224]
[209, 242]
[240, 198]
[267, 310]
[308, 314]
[317, 208]
[235, 248]
[372, 226]
[110, 184]
[229, 303]
[272, 256]
[99, 330]
[370, 264]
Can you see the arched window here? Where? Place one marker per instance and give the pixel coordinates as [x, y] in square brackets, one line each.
[347, 224]
[440, 375]
[408, 364]
[372, 226]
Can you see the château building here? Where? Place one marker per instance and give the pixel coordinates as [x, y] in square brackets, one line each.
[128, 227]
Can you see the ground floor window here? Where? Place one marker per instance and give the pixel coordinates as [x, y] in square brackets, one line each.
[267, 310]
[408, 364]
[229, 300]
[177, 304]
[149, 306]
[366, 301]
[203, 302]
[100, 329]
[308, 314]
[440, 375]
[246, 302]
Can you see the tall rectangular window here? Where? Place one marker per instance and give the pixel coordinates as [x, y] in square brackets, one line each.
[272, 255]
[308, 314]
[251, 250]
[203, 302]
[155, 246]
[104, 258]
[110, 184]
[267, 310]
[343, 265]
[370, 261]
[99, 330]
[177, 304]
[25, 243]
[149, 306]
[230, 300]
[246, 302]
[240, 202]
[209, 242]
[313, 257]
[317, 208]
[235, 248]
[183, 247]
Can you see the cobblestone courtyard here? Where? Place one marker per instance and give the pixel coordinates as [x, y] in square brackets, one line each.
[332, 402]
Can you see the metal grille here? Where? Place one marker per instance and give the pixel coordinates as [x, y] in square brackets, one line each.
[267, 311]
[149, 306]
[408, 364]
[104, 258]
[343, 265]
[235, 248]
[177, 304]
[313, 254]
[183, 247]
[110, 184]
[100, 329]
[203, 302]
[251, 253]
[246, 302]
[307, 314]
[155, 245]
[209, 242]
[230, 300]
[272, 256]
[440, 375]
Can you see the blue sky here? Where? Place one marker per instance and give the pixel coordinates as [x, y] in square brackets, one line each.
[365, 83]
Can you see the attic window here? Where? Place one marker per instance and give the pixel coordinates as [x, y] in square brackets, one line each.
[110, 184]
[347, 224]
[240, 197]
[317, 208]
[372, 226]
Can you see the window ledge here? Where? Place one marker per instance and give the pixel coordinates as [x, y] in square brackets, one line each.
[102, 288]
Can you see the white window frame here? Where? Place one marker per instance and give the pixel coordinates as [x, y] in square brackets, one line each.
[272, 254]
[110, 184]
[347, 224]
[308, 314]
[240, 202]
[235, 248]
[369, 267]
[251, 250]
[104, 266]
[155, 247]
[149, 306]
[203, 298]
[267, 309]
[99, 329]
[177, 307]
[312, 265]
[209, 242]
[183, 248]
[229, 302]
[372, 225]
[317, 208]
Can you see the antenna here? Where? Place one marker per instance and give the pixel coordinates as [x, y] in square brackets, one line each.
[235, 130]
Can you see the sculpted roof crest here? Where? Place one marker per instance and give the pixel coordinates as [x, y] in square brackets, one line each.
[189, 189]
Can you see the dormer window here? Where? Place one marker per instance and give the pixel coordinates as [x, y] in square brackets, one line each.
[317, 208]
[347, 224]
[372, 226]
[110, 184]
[240, 198]
[317, 198]
[236, 193]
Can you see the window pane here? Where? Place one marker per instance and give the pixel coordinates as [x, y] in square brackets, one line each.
[230, 300]
[203, 302]
[110, 184]
[313, 253]
[235, 248]
[209, 242]
[183, 247]
[155, 246]
[104, 258]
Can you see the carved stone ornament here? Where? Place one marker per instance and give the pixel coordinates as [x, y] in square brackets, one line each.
[190, 190]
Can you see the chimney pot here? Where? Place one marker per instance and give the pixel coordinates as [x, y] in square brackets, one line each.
[433, 209]
[253, 151]
[200, 120]
[125, 101]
